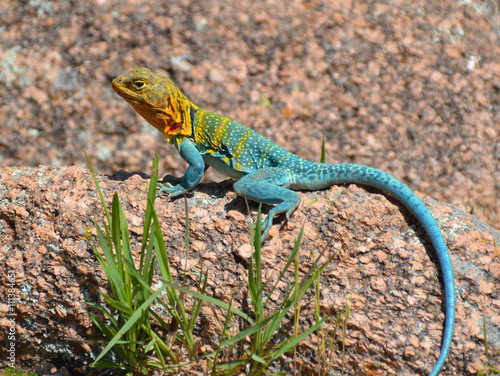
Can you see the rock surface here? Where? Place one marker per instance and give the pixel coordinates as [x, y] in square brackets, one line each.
[382, 260]
[409, 87]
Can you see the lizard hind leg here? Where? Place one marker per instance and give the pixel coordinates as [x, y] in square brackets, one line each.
[269, 186]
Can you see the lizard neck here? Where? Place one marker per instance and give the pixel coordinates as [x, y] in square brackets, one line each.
[183, 121]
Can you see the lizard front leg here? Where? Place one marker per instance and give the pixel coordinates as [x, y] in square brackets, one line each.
[269, 186]
[171, 179]
[192, 176]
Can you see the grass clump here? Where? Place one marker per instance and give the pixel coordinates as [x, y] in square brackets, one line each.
[138, 340]
[264, 346]
[488, 369]
[128, 318]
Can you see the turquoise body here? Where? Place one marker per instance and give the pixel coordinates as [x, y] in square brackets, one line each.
[269, 174]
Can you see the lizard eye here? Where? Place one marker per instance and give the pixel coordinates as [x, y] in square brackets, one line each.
[138, 85]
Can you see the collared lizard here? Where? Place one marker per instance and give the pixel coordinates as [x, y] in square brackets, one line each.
[267, 173]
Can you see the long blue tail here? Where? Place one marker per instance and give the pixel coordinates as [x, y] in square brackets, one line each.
[350, 173]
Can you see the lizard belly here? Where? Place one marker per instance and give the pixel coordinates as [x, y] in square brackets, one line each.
[222, 167]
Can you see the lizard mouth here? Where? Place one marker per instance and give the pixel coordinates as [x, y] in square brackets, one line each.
[116, 82]
[118, 87]
[129, 95]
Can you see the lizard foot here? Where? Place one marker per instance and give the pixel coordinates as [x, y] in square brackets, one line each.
[170, 190]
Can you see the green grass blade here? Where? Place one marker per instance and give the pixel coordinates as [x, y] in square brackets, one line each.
[248, 332]
[149, 207]
[112, 272]
[323, 154]
[211, 300]
[99, 257]
[130, 322]
[274, 325]
[290, 344]
[116, 232]
[187, 236]
[109, 364]
[108, 333]
[292, 256]
[485, 334]
[161, 249]
[116, 304]
[102, 327]
[163, 349]
[121, 237]
[151, 271]
[101, 196]
[172, 312]
[147, 286]
[231, 365]
[254, 271]
[257, 358]
[224, 333]
[259, 286]
[306, 282]
[198, 303]
[162, 322]
[174, 299]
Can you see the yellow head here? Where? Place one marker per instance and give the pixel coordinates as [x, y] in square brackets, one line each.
[157, 99]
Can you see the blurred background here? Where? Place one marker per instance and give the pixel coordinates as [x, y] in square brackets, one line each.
[411, 88]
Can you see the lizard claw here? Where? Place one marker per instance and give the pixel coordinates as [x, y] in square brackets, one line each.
[163, 188]
[171, 190]
[266, 226]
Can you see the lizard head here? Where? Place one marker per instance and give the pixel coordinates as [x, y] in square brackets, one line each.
[157, 99]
